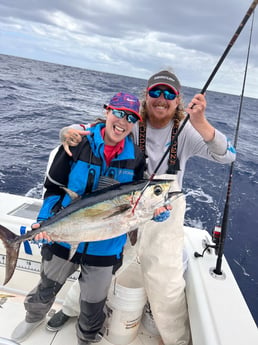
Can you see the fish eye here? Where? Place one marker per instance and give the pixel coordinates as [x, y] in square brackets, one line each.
[157, 190]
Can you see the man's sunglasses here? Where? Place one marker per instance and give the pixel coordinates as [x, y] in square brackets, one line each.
[155, 93]
[120, 114]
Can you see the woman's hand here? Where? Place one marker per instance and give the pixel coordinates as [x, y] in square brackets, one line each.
[71, 137]
[41, 237]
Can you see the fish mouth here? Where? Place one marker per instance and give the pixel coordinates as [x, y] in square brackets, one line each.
[170, 195]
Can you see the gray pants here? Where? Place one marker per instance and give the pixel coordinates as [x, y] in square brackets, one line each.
[94, 285]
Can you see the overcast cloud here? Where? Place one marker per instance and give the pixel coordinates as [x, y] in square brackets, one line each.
[136, 37]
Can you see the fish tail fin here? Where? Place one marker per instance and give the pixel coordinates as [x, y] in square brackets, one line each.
[12, 251]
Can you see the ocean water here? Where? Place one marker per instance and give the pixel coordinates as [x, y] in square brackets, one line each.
[37, 99]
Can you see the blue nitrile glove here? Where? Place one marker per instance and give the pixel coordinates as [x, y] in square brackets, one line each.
[162, 216]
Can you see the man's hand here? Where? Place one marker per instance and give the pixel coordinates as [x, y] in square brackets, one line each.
[196, 110]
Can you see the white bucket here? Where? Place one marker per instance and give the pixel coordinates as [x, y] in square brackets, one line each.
[125, 303]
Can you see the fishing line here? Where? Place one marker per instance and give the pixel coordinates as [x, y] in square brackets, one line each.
[219, 63]
[224, 225]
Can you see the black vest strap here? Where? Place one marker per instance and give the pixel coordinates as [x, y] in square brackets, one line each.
[173, 161]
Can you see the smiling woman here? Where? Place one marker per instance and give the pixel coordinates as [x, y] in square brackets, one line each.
[122, 113]
[106, 152]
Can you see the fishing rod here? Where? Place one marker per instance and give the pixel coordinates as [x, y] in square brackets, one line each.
[213, 73]
[222, 237]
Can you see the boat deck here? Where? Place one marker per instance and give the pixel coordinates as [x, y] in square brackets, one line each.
[12, 309]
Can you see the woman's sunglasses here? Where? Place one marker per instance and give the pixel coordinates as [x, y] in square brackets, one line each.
[131, 118]
[155, 93]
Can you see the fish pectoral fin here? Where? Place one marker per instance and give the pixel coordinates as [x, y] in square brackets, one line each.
[119, 209]
[73, 195]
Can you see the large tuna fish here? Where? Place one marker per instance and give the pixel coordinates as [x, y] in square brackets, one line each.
[103, 214]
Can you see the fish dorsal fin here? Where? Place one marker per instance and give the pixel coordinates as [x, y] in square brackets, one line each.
[106, 181]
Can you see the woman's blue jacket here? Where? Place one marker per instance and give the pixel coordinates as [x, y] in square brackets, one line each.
[81, 173]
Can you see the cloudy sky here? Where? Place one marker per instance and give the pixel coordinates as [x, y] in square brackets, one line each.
[136, 37]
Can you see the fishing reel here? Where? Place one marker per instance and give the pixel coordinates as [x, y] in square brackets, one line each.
[216, 235]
